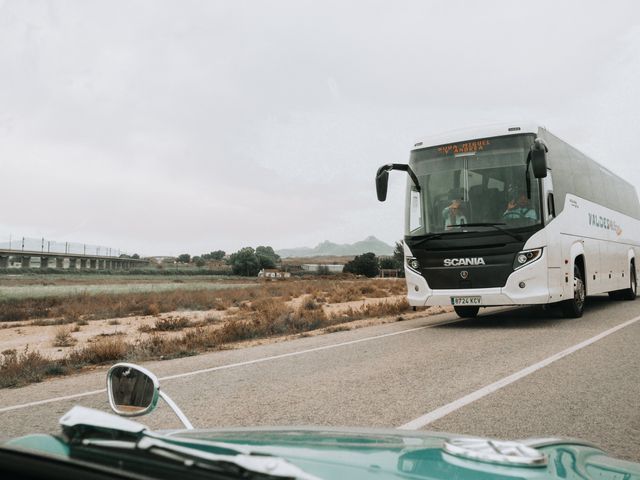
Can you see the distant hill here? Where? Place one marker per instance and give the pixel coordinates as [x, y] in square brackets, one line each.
[369, 244]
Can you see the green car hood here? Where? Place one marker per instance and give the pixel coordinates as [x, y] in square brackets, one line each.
[389, 454]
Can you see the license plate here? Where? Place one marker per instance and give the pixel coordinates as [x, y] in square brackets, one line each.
[465, 300]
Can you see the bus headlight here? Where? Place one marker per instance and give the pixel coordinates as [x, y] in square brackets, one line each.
[413, 263]
[526, 257]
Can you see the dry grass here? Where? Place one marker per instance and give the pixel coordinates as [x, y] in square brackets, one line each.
[337, 328]
[108, 349]
[378, 309]
[263, 311]
[23, 368]
[171, 324]
[63, 338]
[66, 309]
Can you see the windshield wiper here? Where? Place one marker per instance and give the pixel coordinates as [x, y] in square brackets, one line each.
[494, 225]
[242, 464]
[430, 236]
[92, 431]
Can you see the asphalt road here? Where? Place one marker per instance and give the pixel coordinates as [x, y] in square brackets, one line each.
[389, 375]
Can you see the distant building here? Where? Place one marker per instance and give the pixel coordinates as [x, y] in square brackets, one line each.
[273, 273]
[319, 267]
[163, 259]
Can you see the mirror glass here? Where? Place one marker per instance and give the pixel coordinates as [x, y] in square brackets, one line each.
[382, 181]
[539, 162]
[132, 391]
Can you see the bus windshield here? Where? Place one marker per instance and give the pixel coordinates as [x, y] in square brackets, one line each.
[479, 183]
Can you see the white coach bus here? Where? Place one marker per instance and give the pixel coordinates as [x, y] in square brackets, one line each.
[512, 215]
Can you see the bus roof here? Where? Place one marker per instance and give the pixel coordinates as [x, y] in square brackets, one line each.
[485, 131]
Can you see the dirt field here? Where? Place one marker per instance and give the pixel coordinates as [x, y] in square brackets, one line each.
[65, 324]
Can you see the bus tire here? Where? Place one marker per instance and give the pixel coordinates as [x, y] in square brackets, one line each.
[467, 311]
[575, 307]
[631, 292]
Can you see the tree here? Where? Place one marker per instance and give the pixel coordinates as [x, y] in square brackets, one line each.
[267, 257]
[215, 255]
[135, 256]
[365, 264]
[388, 263]
[184, 258]
[199, 261]
[398, 255]
[245, 262]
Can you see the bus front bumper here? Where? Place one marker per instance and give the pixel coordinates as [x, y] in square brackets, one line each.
[525, 286]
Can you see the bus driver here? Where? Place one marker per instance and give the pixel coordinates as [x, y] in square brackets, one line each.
[519, 208]
[453, 214]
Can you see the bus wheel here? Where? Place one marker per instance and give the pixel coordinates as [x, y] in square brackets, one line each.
[467, 312]
[573, 308]
[631, 292]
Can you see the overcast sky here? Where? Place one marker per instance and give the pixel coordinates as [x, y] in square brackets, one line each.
[164, 127]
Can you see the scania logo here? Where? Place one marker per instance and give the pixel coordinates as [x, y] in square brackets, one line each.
[459, 262]
[464, 274]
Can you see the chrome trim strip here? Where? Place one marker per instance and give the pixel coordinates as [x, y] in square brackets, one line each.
[500, 452]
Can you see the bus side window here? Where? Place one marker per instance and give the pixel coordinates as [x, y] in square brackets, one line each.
[551, 206]
[415, 211]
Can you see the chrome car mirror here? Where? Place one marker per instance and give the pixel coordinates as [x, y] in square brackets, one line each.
[134, 390]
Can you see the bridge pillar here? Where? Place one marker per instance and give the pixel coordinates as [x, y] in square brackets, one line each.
[44, 262]
[59, 262]
[73, 263]
[116, 265]
[93, 263]
[4, 262]
[83, 263]
[100, 264]
[26, 262]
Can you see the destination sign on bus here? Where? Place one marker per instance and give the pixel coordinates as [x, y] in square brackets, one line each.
[466, 147]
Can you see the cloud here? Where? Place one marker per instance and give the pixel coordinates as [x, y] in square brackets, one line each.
[169, 127]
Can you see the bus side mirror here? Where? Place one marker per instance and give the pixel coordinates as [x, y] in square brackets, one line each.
[382, 182]
[382, 178]
[539, 159]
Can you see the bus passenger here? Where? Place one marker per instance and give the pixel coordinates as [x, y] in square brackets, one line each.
[519, 208]
[453, 214]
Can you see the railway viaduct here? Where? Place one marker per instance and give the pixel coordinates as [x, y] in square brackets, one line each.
[72, 261]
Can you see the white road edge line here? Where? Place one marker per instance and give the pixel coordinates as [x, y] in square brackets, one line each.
[445, 410]
[231, 365]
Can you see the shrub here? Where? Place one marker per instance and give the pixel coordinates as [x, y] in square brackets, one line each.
[109, 349]
[22, 369]
[63, 338]
[152, 309]
[365, 264]
[171, 324]
[310, 303]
